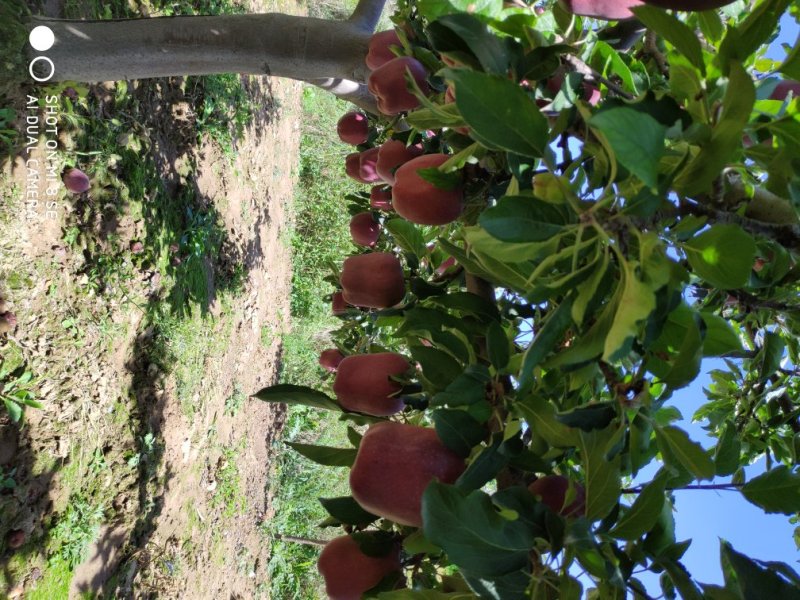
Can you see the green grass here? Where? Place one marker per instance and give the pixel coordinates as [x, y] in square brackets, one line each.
[229, 494]
[320, 237]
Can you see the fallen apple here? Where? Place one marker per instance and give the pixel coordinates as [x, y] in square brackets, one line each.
[75, 180]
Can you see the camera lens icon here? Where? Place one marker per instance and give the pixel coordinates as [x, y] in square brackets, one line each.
[42, 38]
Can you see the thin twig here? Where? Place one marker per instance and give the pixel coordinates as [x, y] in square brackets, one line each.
[589, 72]
[728, 487]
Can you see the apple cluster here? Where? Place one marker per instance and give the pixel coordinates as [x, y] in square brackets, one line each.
[395, 461]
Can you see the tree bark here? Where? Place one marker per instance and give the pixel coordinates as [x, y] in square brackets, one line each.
[268, 44]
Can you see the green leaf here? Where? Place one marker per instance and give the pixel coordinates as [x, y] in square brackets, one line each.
[722, 255]
[674, 31]
[458, 430]
[602, 476]
[545, 340]
[728, 451]
[750, 580]
[636, 303]
[681, 579]
[433, 9]
[587, 291]
[705, 167]
[512, 586]
[487, 47]
[426, 595]
[541, 417]
[675, 445]
[286, 393]
[438, 367]
[524, 219]
[770, 355]
[14, 410]
[346, 510]
[643, 514]
[474, 535]
[636, 138]
[407, 235]
[742, 41]
[484, 467]
[791, 66]
[720, 338]
[439, 179]
[776, 491]
[326, 455]
[597, 415]
[500, 114]
[497, 345]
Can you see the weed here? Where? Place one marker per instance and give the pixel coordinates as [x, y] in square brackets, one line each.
[235, 401]
[267, 335]
[75, 530]
[228, 493]
[16, 391]
[224, 109]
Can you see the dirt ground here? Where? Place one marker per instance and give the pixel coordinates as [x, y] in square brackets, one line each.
[192, 530]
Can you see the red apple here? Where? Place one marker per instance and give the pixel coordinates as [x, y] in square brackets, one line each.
[15, 539]
[75, 180]
[362, 383]
[552, 491]
[783, 88]
[352, 166]
[380, 198]
[394, 465]
[391, 155]
[611, 10]
[696, 5]
[338, 304]
[330, 359]
[364, 229]
[373, 280]
[348, 572]
[388, 84]
[353, 128]
[379, 53]
[368, 165]
[420, 201]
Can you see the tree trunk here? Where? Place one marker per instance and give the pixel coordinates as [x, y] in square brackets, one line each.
[268, 44]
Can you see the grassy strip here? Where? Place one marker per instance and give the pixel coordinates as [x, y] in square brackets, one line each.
[320, 238]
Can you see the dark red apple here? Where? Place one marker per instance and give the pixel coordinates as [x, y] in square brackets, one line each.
[352, 166]
[783, 88]
[368, 165]
[373, 280]
[380, 198]
[330, 359]
[388, 84]
[75, 180]
[362, 383]
[353, 128]
[338, 304]
[611, 10]
[364, 229]
[15, 539]
[394, 465]
[391, 155]
[420, 201]
[552, 491]
[694, 5]
[348, 572]
[379, 52]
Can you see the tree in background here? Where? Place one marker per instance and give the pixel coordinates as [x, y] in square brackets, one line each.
[579, 213]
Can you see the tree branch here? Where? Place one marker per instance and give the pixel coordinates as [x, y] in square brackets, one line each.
[367, 14]
[786, 234]
[354, 92]
[594, 76]
[728, 487]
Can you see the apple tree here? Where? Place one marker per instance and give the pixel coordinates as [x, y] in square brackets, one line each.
[570, 206]
[565, 216]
